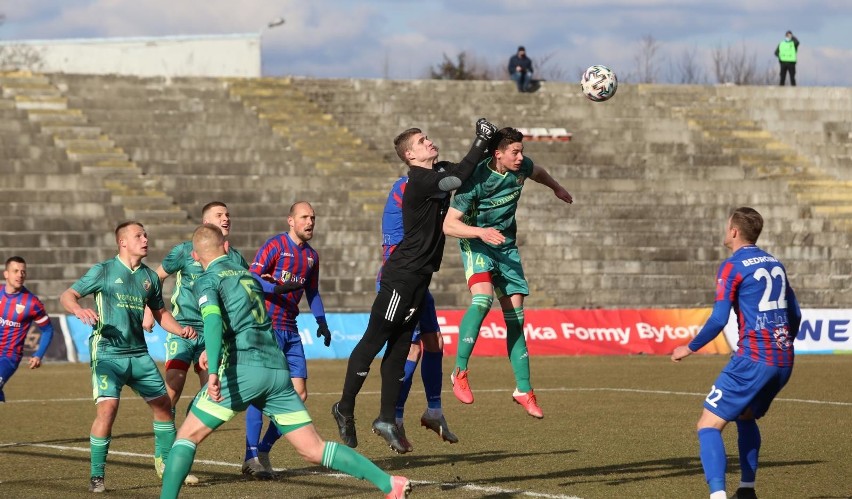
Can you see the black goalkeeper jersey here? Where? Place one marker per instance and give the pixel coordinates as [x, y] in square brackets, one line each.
[424, 207]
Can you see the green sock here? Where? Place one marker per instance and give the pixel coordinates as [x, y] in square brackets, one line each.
[342, 458]
[177, 467]
[516, 345]
[99, 447]
[469, 328]
[164, 437]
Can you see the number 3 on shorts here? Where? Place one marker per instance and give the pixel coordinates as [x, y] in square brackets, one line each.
[714, 396]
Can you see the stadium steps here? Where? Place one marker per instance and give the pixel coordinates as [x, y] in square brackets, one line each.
[646, 165]
[95, 152]
[761, 153]
[332, 149]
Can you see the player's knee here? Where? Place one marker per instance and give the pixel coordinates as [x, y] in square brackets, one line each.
[483, 302]
[312, 452]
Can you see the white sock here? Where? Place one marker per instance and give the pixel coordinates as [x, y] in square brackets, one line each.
[719, 494]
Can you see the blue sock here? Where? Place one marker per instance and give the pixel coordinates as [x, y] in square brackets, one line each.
[272, 436]
[254, 423]
[410, 367]
[748, 438]
[433, 376]
[712, 452]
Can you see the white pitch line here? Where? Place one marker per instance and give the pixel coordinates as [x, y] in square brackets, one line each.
[457, 485]
[496, 390]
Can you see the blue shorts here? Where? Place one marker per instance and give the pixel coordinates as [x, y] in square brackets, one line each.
[428, 318]
[7, 369]
[745, 384]
[291, 344]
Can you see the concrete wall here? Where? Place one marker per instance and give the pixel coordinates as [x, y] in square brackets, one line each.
[235, 55]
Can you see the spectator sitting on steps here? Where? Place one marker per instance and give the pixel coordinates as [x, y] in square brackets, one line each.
[521, 70]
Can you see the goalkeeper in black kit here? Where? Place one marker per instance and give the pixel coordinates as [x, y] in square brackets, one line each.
[406, 276]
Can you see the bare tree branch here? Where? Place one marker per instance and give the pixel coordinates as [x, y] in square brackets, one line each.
[647, 69]
[688, 70]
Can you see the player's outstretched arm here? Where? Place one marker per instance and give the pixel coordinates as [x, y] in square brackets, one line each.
[454, 226]
[543, 177]
[70, 301]
[168, 322]
[457, 174]
[162, 274]
[43, 342]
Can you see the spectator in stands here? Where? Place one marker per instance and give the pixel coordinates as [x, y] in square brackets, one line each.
[754, 284]
[482, 216]
[122, 287]
[19, 308]
[521, 70]
[786, 53]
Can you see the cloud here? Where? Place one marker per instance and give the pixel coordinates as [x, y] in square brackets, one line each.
[403, 39]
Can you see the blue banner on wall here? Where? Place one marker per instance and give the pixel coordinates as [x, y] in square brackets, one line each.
[346, 331]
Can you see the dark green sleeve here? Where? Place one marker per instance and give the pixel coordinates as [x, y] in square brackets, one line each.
[174, 261]
[91, 282]
[211, 314]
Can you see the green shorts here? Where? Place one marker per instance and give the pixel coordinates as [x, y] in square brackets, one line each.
[181, 352]
[270, 390]
[139, 373]
[504, 265]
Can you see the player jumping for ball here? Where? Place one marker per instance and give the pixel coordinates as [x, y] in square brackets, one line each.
[482, 216]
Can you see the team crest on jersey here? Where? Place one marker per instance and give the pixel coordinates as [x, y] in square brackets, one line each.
[146, 284]
[19, 308]
[310, 262]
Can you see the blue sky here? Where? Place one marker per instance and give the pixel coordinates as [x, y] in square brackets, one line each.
[404, 39]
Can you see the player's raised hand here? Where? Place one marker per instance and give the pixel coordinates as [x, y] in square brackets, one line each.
[491, 235]
[485, 130]
[324, 333]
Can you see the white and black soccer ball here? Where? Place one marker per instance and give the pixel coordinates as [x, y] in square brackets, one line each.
[599, 83]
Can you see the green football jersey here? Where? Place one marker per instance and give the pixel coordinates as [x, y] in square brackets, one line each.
[179, 262]
[120, 296]
[230, 290]
[490, 199]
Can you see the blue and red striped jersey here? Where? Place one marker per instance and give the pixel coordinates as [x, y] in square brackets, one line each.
[392, 229]
[17, 313]
[754, 284]
[285, 260]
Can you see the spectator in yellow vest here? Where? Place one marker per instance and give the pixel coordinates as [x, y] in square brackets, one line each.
[786, 53]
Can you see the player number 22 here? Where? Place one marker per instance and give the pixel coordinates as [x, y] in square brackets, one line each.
[714, 396]
[770, 275]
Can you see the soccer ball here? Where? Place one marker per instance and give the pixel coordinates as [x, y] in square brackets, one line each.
[599, 83]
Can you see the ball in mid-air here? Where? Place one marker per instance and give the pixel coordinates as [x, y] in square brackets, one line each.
[599, 83]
